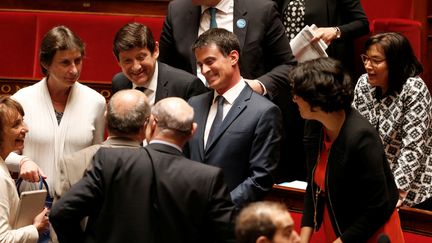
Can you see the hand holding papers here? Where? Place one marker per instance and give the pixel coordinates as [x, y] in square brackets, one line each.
[304, 48]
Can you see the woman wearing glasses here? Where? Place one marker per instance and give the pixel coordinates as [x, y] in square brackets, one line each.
[397, 102]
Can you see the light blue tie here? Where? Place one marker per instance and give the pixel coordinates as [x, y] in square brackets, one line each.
[213, 23]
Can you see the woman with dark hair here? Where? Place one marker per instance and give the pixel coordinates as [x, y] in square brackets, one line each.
[351, 192]
[12, 133]
[63, 115]
[397, 102]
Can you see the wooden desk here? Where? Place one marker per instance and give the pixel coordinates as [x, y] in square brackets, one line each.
[413, 220]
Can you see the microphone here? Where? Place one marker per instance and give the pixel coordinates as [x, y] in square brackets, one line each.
[383, 238]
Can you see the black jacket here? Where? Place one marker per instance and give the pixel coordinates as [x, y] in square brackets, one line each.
[360, 190]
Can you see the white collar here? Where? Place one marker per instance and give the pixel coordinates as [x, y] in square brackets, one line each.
[231, 95]
[223, 6]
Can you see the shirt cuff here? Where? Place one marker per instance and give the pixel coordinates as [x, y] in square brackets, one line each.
[13, 161]
[263, 87]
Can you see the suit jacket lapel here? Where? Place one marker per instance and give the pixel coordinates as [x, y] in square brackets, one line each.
[240, 15]
[162, 81]
[201, 118]
[237, 108]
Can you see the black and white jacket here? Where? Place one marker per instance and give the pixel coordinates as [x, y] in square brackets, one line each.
[404, 122]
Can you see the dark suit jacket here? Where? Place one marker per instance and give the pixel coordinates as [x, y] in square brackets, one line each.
[363, 190]
[246, 146]
[348, 15]
[117, 194]
[265, 51]
[265, 55]
[171, 82]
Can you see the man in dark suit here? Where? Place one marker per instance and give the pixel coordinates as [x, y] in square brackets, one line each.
[150, 194]
[137, 53]
[265, 64]
[246, 142]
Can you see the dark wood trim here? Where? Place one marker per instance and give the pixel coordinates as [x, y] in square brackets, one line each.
[11, 85]
[413, 220]
[143, 7]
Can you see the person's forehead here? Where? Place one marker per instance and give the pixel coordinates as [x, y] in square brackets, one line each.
[283, 220]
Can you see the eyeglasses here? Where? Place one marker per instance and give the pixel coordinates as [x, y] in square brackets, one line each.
[373, 61]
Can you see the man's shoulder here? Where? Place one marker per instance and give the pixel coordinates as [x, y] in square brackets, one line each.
[120, 79]
[176, 75]
[180, 4]
[179, 161]
[78, 155]
[261, 102]
[255, 6]
[198, 99]
[126, 153]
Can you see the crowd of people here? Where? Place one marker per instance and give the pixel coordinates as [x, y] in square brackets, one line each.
[203, 123]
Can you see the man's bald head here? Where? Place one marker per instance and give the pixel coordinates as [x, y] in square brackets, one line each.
[127, 112]
[175, 115]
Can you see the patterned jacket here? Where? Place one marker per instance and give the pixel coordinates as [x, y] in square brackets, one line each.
[404, 122]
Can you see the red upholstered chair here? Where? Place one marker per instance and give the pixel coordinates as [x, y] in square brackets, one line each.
[154, 23]
[96, 31]
[388, 8]
[18, 33]
[411, 29]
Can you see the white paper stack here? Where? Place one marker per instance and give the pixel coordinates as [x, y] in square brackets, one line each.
[304, 48]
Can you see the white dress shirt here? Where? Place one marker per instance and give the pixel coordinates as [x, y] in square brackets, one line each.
[230, 96]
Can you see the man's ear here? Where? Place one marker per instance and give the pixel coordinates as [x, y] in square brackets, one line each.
[193, 130]
[262, 239]
[234, 56]
[149, 128]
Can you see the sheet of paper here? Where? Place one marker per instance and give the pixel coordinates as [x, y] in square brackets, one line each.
[295, 184]
[304, 49]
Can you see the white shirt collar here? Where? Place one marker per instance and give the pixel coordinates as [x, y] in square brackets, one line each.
[232, 94]
[223, 6]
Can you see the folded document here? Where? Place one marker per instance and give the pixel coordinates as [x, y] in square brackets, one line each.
[304, 49]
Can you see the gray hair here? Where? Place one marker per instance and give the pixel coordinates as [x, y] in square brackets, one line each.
[127, 111]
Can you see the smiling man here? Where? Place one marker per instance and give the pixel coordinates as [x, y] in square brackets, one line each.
[137, 52]
[238, 129]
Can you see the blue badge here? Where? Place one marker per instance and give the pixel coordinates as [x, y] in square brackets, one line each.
[241, 23]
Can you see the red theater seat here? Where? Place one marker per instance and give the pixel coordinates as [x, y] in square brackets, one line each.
[411, 29]
[154, 23]
[97, 32]
[18, 34]
[22, 33]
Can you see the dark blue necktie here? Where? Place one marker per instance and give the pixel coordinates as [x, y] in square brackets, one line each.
[142, 89]
[217, 120]
[213, 23]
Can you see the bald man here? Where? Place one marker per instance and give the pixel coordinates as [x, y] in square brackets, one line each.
[126, 113]
[194, 201]
[151, 194]
[265, 222]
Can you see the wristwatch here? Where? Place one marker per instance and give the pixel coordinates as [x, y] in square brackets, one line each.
[338, 32]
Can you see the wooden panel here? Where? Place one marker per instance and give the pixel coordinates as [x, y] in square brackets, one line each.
[150, 7]
[413, 220]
